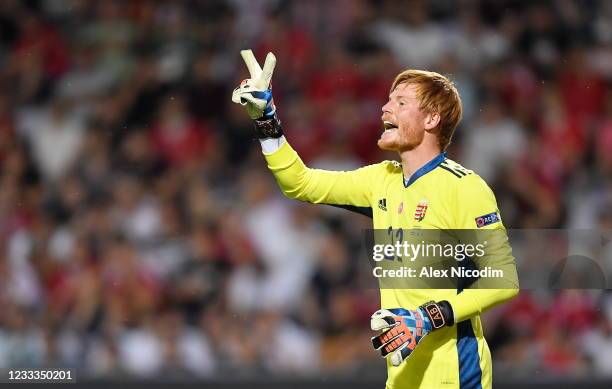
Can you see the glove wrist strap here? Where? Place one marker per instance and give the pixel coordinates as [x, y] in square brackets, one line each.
[440, 314]
[268, 127]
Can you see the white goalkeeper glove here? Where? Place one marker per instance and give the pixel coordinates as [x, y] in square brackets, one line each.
[255, 92]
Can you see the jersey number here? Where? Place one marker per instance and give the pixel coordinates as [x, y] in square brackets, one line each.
[398, 235]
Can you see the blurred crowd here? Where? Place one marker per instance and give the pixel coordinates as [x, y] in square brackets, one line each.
[141, 234]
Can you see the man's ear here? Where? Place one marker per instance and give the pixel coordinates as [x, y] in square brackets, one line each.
[431, 121]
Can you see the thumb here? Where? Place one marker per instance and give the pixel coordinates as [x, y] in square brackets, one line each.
[247, 97]
[382, 319]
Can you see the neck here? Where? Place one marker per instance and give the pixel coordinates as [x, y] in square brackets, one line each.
[413, 160]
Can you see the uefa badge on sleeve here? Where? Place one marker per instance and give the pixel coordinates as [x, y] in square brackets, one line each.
[421, 209]
[485, 220]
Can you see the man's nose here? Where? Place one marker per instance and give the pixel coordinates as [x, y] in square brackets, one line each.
[386, 108]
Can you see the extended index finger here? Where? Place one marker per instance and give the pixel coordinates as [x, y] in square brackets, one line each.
[268, 68]
[251, 63]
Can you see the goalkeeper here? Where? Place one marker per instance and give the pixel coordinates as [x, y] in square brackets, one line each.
[432, 338]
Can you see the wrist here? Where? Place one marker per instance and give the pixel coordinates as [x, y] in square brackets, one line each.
[440, 313]
[268, 127]
[271, 145]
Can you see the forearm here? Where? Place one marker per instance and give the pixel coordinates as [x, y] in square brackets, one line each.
[487, 292]
[472, 302]
[288, 168]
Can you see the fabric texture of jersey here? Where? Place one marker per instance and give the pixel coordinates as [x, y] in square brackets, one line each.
[440, 195]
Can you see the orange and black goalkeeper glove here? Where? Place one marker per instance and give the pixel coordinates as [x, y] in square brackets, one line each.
[403, 329]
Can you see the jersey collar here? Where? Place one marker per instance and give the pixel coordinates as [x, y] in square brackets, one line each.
[429, 166]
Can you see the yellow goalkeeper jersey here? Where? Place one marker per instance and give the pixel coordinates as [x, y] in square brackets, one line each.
[440, 195]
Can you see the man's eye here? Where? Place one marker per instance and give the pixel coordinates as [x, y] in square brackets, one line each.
[402, 103]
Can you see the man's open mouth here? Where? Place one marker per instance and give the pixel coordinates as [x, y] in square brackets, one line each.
[389, 126]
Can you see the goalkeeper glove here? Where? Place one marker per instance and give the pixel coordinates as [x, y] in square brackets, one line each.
[255, 94]
[404, 329]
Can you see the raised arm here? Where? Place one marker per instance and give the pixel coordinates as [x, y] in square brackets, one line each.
[349, 189]
[297, 181]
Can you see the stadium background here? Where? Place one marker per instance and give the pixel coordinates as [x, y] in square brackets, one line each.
[142, 237]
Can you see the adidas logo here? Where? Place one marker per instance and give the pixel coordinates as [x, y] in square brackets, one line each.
[382, 204]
